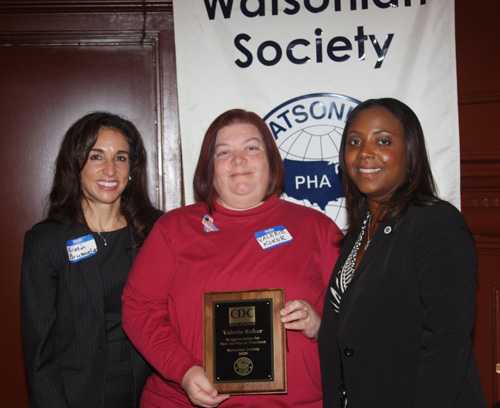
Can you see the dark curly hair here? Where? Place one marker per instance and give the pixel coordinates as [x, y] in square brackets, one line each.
[66, 194]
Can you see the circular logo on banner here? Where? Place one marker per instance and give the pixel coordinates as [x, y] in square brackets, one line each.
[307, 130]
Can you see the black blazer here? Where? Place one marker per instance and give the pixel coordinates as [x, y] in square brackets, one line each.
[403, 334]
[63, 325]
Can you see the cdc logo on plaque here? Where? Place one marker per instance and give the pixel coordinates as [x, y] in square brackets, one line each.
[307, 130]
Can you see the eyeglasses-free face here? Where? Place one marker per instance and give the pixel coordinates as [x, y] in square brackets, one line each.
[241, 167]
[375, 154]
[105, 173]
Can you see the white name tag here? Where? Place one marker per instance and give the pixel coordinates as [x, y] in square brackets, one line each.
[272, 237]
[81, 248]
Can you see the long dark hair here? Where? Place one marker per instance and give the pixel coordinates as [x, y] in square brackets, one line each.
[418, 187]
[203, 182]
[66, 194]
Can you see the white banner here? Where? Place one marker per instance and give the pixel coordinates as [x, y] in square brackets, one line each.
[303, 64]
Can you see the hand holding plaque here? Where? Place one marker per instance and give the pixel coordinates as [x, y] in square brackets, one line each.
[245, 341]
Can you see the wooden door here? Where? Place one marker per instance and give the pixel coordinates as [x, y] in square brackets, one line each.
[55, 66]
[478, 69]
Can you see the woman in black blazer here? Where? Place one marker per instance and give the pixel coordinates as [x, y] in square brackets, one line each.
[75, 264]
[397, 320]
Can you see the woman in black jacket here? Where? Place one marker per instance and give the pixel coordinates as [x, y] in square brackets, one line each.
[75, 264]
[397, 320]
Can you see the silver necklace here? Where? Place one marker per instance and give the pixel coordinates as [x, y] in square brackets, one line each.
[103, 239]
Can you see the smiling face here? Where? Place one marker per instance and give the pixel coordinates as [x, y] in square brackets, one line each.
[375, 154]
[241, 167]
[105, 173]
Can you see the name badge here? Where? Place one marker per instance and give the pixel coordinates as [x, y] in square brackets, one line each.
[81, 248]
[272, 237]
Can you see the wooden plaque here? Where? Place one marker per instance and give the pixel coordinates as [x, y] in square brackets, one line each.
[245, 349]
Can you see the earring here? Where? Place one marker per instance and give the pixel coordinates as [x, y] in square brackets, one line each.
[129, 178]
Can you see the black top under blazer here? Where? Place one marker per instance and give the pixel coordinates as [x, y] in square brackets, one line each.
[63, 323]
[403, 334]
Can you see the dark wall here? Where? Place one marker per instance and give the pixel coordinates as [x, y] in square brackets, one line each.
[64, 58]
[57, 63]
[478, 69]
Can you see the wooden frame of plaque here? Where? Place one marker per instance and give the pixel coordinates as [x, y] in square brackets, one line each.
[245, 345]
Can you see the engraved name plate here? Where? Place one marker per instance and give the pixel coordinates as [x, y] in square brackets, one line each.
[245, 341]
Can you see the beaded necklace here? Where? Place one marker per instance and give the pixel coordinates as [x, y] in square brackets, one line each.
[344, 276]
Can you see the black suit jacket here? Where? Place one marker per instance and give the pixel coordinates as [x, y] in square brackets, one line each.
[63, 325]
[403, 334]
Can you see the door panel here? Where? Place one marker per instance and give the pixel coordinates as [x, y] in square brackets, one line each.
[48, 80]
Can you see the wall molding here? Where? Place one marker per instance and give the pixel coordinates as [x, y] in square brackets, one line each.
[480, 172]
[169, 194]
[487, 244]
[484, 200]
[84, 6]
[481, 158]
[83, 38]
[478, 97]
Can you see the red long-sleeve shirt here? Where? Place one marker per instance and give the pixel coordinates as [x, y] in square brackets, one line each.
[180, 261]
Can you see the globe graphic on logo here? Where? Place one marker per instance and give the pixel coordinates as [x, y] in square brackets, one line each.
[312, 143]
[316, 143]
[308, 130]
